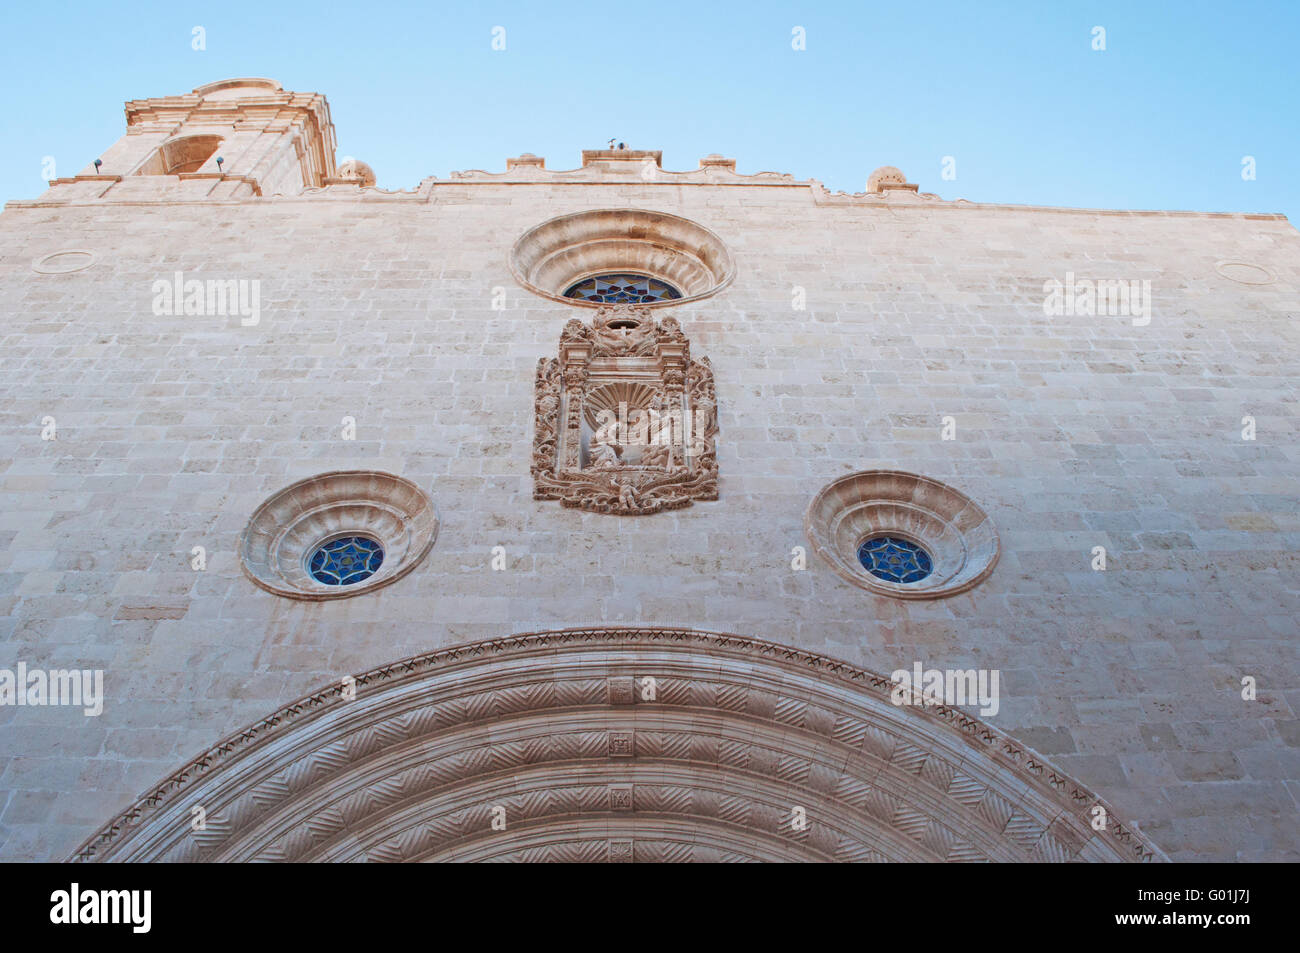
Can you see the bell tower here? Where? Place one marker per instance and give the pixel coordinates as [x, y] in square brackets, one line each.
[229, 139]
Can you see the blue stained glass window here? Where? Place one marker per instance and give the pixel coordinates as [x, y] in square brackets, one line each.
[622, 289]
[895, 560]
[341, 562]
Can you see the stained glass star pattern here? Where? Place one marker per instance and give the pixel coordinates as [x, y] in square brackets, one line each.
[622, 289]
[342, 562]
[895, 560]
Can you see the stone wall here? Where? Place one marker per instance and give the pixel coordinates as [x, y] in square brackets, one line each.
[1071, 432]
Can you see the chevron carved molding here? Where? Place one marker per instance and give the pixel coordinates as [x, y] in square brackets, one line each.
[616, 745]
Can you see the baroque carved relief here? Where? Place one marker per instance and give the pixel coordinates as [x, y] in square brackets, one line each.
[626, 422]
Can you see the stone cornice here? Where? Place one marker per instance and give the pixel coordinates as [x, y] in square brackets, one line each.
[427, 193]
[624, 172]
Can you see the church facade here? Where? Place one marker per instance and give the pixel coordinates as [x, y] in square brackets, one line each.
[617, 513]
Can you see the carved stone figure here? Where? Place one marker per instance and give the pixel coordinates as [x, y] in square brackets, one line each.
[657, 455]
[605, 454]
[625, 356]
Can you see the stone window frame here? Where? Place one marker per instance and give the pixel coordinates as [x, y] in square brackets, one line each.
[552, 256]
[291, 524]
[956, 532]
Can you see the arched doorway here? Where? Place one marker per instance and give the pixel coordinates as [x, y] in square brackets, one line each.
[617, 744]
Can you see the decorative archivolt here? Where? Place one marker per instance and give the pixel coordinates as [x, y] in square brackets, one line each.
[616, 744]
[626, 422]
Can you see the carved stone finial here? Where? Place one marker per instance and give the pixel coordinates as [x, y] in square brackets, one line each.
[575, 330]
[354, 170]
[527, 160]
[715, 161]
[888, 178]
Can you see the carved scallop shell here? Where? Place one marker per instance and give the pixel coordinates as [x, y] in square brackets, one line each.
[636, 395]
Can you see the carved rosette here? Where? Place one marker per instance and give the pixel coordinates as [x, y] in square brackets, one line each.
[650, 414]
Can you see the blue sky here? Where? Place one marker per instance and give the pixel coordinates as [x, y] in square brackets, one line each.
[1014, 92]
